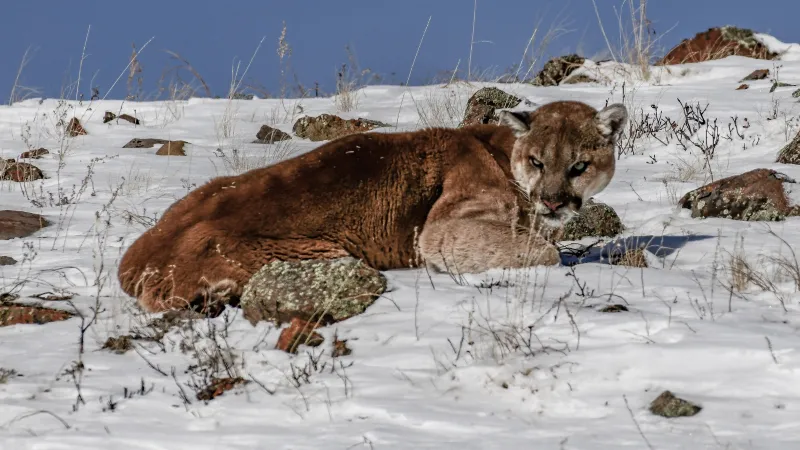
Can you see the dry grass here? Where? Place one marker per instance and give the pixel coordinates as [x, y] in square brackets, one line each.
[441, 108]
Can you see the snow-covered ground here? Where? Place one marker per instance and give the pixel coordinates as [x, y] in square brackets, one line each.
[528, 362]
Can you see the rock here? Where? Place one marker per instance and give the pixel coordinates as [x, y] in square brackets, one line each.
[269, 135]
[743, 86]
[790, 154]
[759, 194]
[614, 308]
[579, 78]
[483, 105]
[14, 314]
[20, 172]
[74, 128]
[594, 219]
[796, 94]
[755, 75]
[172, 148]
[144, 143]
[325, 127]
[667, 405]
[557, 69]
[718, 43]
[340, 348]
[323, 291]
[19, 224]
[34, 154]
[119, 345]
[219, 386]
[7, 261]
[299, 332]
[109, 116]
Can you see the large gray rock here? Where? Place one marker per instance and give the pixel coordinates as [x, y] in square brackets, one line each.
[312, 290]
[483, 105]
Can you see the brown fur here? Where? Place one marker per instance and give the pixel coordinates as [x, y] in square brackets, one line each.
[369, 196]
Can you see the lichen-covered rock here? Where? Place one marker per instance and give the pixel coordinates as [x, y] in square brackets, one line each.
[144, 143]
[667, 405]
[323, 291]
[20, 172]
[790, 154]
[269, 135]
[299, 332]
[578, 79]
[325, 127]
[796, 94]
[74, 128]
[594, 219]
[759, 194]
[172, 148]
[483, 105]
[557, 69]
[20, 224]
[718, 43]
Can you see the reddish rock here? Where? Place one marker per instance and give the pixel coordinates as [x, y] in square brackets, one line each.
[74, 128]
[144, 143]
[109, 116]
[172, 148]
[19, 172]
[34, 154]
[759, 194]
[743, 87]
[718, 43]
[299, 332]
[219, 386]
[13, 314]
[755, 75]
[19, 224]
[269, 135]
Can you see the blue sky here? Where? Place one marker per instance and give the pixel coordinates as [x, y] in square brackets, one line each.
[382, 34]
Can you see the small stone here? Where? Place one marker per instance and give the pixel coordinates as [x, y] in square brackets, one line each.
[269, 135]
[7, 261]
[796, 94]
[777, 84]
[340, 348]
[299, 332]
[172, 148]
[219, 386]
[614, 308]
[557, 70]
[759, 74]
[483, 105]
[594, 219]
[119, 345]
[144, 143]
[743, 86]
[667, 405]
[74, 128]
[109, 116]
[328, 127]
[34, 154]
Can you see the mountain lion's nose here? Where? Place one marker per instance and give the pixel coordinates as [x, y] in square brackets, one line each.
[553, 206]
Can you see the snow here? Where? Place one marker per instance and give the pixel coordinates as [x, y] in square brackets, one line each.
[525, 361]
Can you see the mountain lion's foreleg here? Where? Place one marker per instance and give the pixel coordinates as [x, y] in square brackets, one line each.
[476, 245]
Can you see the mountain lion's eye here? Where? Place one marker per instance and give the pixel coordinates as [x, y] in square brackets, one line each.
[536, 163]
[579, 168]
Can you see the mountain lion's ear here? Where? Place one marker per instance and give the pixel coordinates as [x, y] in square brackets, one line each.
[520, 121]
[611, 120]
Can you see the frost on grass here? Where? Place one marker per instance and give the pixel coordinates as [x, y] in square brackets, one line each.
[312, 290]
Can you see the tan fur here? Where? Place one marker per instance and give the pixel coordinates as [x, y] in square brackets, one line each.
[367, 196]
